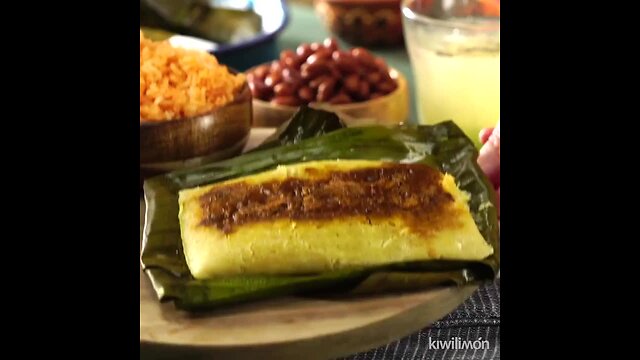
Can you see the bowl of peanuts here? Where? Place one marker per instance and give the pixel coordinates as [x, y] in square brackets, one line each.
[361, 88]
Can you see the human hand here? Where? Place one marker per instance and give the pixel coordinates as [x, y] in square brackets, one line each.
[489, 158]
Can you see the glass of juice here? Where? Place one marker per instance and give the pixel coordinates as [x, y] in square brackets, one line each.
[454, 48]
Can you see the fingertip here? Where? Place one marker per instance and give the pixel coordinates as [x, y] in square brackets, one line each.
[485, 134]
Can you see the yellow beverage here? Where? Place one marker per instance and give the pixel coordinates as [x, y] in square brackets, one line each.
[457, 74]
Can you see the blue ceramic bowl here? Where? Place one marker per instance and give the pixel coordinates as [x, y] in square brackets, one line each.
[261, 48]
[248, 52]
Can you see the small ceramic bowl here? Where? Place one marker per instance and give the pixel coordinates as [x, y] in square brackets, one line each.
[363, 22]
[391, 109]
[170, 145]
[241, 51]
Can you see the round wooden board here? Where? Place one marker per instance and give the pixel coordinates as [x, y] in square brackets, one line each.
[288, 328]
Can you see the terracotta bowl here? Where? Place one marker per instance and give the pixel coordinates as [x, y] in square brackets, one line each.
[216, 135]
[391, 109]
[363, 22]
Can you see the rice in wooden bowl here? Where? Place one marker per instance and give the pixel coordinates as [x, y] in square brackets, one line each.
[192, 109]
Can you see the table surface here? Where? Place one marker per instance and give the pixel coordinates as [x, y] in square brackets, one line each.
[306, 26]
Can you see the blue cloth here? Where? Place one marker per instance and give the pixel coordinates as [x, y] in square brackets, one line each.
[471, 332]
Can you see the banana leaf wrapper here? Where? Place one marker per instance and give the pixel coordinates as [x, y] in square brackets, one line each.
[319, 135]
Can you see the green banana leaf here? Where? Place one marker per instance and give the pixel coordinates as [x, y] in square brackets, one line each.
[304, 124]
[319, 135]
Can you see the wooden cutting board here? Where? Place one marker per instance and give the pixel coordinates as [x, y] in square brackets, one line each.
[287, 328]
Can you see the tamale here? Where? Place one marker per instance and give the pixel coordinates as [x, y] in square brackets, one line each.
[319, 216]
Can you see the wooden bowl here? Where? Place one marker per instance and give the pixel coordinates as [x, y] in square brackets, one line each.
[218, 134]
[391, 109]
[363, 22]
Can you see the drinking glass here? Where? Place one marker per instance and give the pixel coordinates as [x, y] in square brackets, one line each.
[454, 49]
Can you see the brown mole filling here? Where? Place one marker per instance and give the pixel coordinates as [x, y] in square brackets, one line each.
[412, 191]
